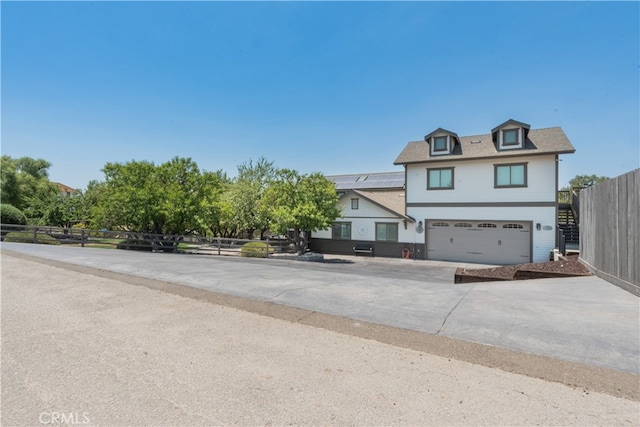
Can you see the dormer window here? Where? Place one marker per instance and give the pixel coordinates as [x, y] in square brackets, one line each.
[510, 135]
[441, 141]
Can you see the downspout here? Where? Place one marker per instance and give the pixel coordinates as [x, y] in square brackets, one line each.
[555, 227]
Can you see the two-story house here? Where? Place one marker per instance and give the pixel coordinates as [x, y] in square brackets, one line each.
[488, 198]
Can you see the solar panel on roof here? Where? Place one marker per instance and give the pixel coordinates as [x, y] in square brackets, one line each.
[385, 180]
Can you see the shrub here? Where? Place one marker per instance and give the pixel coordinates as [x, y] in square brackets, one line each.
[9, 214]
[136, 245]
[256, 249]
[27, 237]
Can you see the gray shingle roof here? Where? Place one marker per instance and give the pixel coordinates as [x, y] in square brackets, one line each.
[539, 141]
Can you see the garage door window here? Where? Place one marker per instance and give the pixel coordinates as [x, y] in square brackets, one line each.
[486, 225]
[513, 175]
[386, 232]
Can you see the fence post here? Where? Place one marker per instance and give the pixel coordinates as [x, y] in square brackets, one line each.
[219, 245]
[35, 234]
[82, 238]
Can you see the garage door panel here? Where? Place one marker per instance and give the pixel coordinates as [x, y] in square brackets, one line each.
[487, 242]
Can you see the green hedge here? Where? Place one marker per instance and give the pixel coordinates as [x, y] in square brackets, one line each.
[256, 249]
[27, 237]
[136, 245]
[9, 214]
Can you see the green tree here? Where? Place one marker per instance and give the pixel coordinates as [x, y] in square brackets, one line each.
[130, 200]
[581, 181]
[25, 184]
[213, 214]
[302, 203]
[174, 198]
[245, 196]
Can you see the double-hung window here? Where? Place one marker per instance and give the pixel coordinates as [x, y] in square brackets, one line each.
[440, 179]
[511, 175]
[354, 204]
[386, 232]
[341, 231]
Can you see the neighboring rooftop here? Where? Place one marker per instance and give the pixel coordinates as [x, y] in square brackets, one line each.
[65, 188]
[369, 181]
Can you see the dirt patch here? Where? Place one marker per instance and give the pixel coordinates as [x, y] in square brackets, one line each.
[569, 267]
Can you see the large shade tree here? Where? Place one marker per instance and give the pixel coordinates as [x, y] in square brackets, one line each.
[245, 197]
[24, 183]
[304, 203]
[155, 199]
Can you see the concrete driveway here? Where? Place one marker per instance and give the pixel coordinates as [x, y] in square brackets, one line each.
[585, 320]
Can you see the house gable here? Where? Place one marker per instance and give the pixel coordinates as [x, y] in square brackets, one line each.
[390, 203]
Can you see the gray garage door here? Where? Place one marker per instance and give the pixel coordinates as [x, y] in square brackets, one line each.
[486, 242]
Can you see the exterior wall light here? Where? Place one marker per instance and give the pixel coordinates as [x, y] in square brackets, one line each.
[538, 226]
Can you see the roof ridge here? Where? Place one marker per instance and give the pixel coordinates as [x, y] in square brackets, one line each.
[489, 134]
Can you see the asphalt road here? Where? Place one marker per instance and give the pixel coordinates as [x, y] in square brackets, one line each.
[85, 345]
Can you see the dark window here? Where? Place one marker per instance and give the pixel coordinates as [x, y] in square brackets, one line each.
[386, 232]
[341, 231]
[463, 225]
[511, 137]
[440, 143]
[514, 175]
[440, 179]
[486, 225]
[354, 204]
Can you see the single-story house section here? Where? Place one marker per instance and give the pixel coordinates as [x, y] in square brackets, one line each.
[374, 218]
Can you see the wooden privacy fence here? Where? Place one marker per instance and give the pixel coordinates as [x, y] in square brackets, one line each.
[610, 230]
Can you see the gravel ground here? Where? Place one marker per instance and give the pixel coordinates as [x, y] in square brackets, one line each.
[108, 353]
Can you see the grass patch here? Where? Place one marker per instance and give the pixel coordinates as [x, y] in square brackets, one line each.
[27, 237]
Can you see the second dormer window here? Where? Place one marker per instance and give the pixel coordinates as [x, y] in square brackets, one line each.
[440, 143]
[510, 137]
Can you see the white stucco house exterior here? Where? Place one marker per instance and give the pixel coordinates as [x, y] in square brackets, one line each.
[489, 198]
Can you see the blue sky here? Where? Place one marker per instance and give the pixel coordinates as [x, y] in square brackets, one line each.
[325, 87]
